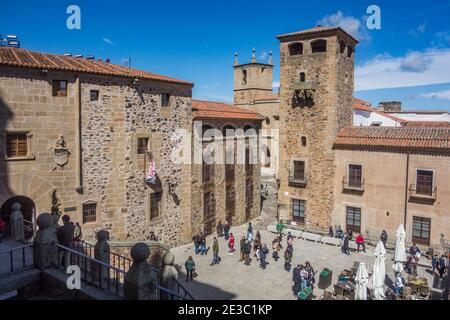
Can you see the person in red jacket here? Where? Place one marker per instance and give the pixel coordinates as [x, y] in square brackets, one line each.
[2, 228]
[360, 242]
[231, 243]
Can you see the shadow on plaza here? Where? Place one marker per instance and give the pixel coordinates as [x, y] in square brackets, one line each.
[202, 291]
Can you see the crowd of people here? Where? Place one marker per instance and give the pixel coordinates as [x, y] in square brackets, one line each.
[251, 246]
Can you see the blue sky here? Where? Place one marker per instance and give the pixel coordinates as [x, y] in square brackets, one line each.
[407, 60]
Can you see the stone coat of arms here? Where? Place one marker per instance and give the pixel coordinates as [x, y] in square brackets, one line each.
[60, 153]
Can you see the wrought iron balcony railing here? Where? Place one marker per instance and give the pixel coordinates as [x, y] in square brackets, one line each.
[422, 193]
[353, 185]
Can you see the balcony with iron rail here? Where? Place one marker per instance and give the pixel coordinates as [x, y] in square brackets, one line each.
[298, 182]
[353, 187]
[424, 195]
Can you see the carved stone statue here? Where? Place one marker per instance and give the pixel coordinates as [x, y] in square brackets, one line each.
[102, 253]
[45, 250]
[168, 274]
[16, 223]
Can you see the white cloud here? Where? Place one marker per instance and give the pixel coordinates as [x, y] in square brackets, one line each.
[442, 39]
[263, 55]
[352, 25]
[276, 84]
[414, 69]
[108, 41]
[415, 62]
[445, 94]
[416, 32]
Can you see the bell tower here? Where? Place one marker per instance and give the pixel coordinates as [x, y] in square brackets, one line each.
[251, 79]
[316, 92]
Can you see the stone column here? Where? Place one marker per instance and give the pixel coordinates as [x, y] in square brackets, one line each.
[168, 275]
[45, 250]
[16, 223]
[102, 253]
[140, 280]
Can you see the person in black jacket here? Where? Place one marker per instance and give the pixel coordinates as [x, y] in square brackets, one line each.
[345, 244]
[65, 235]
[287, 260]
[297, 281]
[247, 251]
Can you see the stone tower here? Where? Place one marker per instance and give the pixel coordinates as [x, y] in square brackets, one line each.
[251, 80]
[316, 91]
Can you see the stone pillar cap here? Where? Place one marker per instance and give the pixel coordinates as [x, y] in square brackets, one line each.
[140, 252]
[45, 220]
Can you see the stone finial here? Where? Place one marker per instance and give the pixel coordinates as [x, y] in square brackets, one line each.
[45, 250]
[102, 253]
[140, 280]
[270, 57]
[16, 223]
[236, 61]
[253, 55]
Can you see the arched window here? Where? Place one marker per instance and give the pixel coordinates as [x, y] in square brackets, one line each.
[206, 133]
[350, 51]
[244, 77]
[319, 46]
[296, 49]
[342, 46]
[302, 77]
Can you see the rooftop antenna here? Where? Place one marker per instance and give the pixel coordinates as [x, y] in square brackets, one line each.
[126, 62]
[10, 41]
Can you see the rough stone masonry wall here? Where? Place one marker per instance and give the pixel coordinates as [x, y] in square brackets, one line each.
[318, 123]
[114, 172]
[220, 186]
[27, 105]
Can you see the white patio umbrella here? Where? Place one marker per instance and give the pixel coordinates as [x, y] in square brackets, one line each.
[362, 278]
[400, 249]
[379, 271]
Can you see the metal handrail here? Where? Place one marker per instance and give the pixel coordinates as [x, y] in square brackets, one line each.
[121, 260]
[130, 262]
[11, 258]
[177, 295]
[88, 266]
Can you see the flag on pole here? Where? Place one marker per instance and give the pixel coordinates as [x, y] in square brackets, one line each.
[151, 175]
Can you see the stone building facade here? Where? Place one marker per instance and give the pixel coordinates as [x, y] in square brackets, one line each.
[230, 186]
[253, 86]
[90, 130]
[387, 176]
[316, 92]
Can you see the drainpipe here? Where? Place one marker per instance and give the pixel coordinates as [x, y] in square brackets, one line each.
[78, 138]
[406, 190]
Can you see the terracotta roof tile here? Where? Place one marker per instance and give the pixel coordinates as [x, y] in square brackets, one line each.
[218, 110]
[316, 32]
[30, 59]
[394, 137]
[426, 124]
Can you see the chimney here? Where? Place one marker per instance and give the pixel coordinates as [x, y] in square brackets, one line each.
[78, 56]
[390, 106]
[108, 60]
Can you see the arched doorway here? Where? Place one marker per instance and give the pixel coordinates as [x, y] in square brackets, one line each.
[28, 210]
